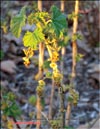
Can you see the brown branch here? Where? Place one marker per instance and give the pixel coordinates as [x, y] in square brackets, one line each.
[62, 6]
[68, 113]
[62, 107]
[51, 100]
[40, 73]
[74, 45]
[52, 89]
[39, 108]
[74, 54]
[63, 50]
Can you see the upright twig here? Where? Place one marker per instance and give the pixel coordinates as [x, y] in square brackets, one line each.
[51, 100]
[52, 88]
[40, 73]
[63, 50]
[74, 54]
[41, 48]
[62, 71]
[62, 107]
[74, 45]
[52, 91]
[39, 108]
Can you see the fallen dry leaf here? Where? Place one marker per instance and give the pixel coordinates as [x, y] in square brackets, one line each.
[8, 66]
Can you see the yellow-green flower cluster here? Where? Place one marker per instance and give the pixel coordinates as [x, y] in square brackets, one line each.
[55, 124]
[57, 76]
[38, 17]
[53, 65]
[28, 54]
[75, 96]
[41, 82]
[55, 57]
[40, 88]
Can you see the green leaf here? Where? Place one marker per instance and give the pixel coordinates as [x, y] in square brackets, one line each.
[5, 96]
[15, 110]
[70, 98]
[46, 64]
[64, 42]
[31, 39]
[32, 100]
[12, 110]
[58, 20]
[77, 36]
[43, 103]
[18, 22]
[11, 96]
[79, 57]
[1, 54]
[48, 74]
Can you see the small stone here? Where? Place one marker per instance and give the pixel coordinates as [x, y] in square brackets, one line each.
[97, 50]
[83, 46]
[28, 27]
[95, 76]
[85, 63]
[96, 106]
[93, 114]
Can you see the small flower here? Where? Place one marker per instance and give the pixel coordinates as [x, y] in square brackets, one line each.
[28, 52]
[55, 56]
[40, 90]
[54, 41]
[54, 59]
[26, 61]
[57, 75]
[53, 65]
[41, 82]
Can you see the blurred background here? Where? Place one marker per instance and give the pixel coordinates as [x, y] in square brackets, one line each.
[18, 80]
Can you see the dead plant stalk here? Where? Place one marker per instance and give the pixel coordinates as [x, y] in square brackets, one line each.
[62, 71]
[74, 54]
[40, 73]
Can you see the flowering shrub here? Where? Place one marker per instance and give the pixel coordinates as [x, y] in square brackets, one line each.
[50, 30]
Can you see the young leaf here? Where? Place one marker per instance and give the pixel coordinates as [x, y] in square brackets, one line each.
[31, 39]
[18, 22]
[70, 98]
[48, 74]
[79, 57]
[58, 20]
[12, 110]
[43, 103]
[32, 100]
[46, 64]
